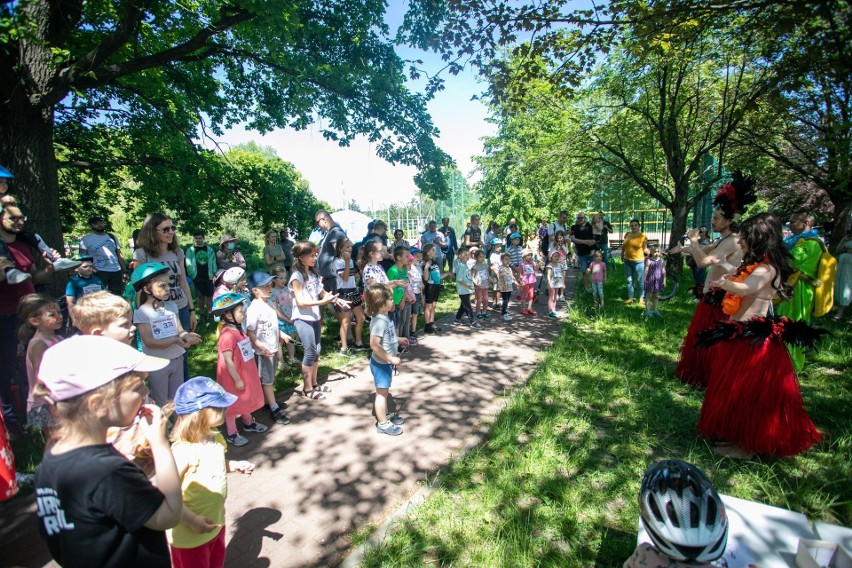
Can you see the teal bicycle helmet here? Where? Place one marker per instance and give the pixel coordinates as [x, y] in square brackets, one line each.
[225, 303]
[144, 272]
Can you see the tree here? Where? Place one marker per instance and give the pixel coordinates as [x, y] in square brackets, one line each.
[157, 75]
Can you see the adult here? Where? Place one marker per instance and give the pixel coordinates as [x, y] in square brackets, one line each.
[287, 247]
[106, 255]
[753, 401]
[493, 232]
[399, 239]
[543, 240]
[451, 242]
[843, 282]
[158, 242]
[431, 236]
[633, 253]
[601, 229]
[21, 255]
[228, 256]
[511, 228]
[201, 268]
[561, 224]
[583, 237]
[379, 232]
[719, 259]
[806, 247]
[273, 253]
[332, 232]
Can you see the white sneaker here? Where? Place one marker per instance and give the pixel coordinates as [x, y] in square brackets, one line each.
[507, 317]
[15, 276]
[65, 264]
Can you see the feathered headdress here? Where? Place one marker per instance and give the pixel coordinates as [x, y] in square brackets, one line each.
[734, 197]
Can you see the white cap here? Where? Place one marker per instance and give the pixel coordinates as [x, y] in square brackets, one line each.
[85, 362]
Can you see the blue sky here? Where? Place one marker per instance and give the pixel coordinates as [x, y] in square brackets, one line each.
[337, 174]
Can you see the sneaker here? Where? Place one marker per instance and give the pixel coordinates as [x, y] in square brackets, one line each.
[237, 439]
[649, 315]
[65, 264]
[628, 301]
[475, 324]
[255, 427]
[396, 420]
[388, 428]
[506, 317]
[486, 316]
[456, 322]
[552, 315]
[345, 352]
[658, 314]
[15, 276]
[412, 341]
[279, 416]
[429, 328]
[360, 346]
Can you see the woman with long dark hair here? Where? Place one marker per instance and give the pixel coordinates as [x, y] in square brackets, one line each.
[158, 242]
[753, 404]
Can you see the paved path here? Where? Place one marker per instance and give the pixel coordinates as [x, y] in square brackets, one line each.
[329, 473]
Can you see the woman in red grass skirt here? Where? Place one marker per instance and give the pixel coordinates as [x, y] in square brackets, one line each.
[753, 404]
[694, 365]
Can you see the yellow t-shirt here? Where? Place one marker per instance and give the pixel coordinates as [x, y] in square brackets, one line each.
[634, 247]
[203, 486]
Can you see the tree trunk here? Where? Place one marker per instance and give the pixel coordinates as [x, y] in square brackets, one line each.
[842, 221]
[680, 211]
[26, 149]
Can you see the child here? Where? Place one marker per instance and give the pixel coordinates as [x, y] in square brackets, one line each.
[464, 288]
[402, 308]
[597, 270]
[526, 271]
[494, 263]
[159, 327]
[262, 330]
[84, 283]
[95, 507]
[308, 296]
[415, 279]
[515, 250]
[385, 345]
[40, 318]
[505, 280]
[199, 450]
[481, 281]
[281, 301]
[236, 369]
[228, 280]
[344, 269]
[103, 313]
[432, 286]
[564, 250]
[655, 282]
[555, 282]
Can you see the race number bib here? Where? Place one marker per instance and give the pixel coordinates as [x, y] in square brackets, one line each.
[246, 350]
[164, 327]
[91, 289]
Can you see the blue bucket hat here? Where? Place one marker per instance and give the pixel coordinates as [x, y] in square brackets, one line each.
[201, 392]
[258, 278]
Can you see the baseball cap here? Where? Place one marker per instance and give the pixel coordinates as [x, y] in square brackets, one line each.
[201, 392]
[83, 363]
[258, 278]
[233, 275]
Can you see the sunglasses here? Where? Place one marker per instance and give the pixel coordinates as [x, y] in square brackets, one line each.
[167, 230]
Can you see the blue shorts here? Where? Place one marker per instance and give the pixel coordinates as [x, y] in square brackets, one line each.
[286, 328]
[382, 374]
[583, 262]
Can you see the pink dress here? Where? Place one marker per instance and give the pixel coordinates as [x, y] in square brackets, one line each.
[251, 397]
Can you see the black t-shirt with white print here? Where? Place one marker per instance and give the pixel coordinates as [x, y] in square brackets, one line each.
[92, 505]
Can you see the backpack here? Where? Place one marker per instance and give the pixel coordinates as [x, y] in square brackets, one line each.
[826, 274]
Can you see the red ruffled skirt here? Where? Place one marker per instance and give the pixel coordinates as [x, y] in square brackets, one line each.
[694, 364]
[753, 399]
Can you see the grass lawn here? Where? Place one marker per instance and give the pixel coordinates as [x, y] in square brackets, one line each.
[556, 481]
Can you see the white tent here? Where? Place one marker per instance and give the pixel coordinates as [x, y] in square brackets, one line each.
[353, 223]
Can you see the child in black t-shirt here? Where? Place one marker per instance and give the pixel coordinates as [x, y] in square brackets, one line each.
[95, 507]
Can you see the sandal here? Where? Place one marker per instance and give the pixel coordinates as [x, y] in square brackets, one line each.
[322, 388]
[313, 394]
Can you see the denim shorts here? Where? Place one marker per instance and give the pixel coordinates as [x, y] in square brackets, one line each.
[583, 262]
[382, 374]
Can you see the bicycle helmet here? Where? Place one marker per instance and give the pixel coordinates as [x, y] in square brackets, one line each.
[233, 275]
[682, 512]
[4, 173]
[144, 272]
[225, 303]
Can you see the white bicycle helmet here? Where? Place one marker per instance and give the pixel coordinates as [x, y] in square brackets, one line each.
[682, 512]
